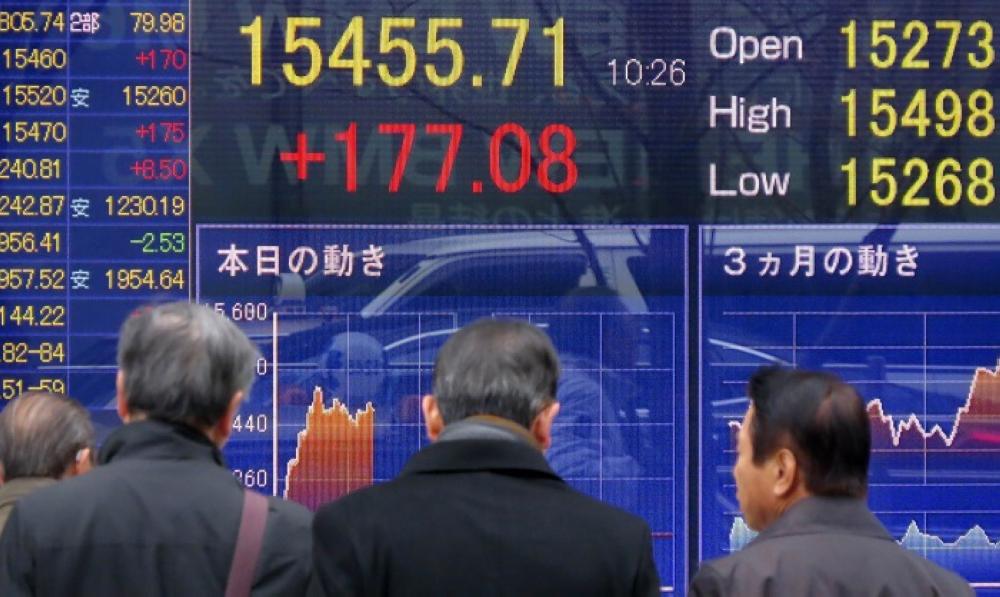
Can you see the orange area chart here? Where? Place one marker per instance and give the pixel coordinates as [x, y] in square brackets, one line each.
[334, 455]
[975, 425]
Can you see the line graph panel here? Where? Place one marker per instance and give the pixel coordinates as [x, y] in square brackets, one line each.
[350, 359]
[346, 421]
[972, 553]
[929, 402]
[926, 361]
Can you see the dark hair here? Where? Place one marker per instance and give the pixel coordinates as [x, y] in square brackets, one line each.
[41, 433]
[503, 368]
[183, 363]
[821, 419]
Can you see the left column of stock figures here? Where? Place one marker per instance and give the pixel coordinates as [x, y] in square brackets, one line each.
[94, 193]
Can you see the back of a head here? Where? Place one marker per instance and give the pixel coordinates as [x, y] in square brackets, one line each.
[821, 419]
[503, 368]
[41, 434]
[183, 363]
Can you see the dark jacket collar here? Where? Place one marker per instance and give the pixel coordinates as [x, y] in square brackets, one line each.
[158, 440]
[820, 515]
[479, 455]
[488, 427]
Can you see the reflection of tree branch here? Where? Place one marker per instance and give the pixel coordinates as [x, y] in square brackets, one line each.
[783, 203]
[770, 69]
[749, 86]
[576, 57]
[557, 198]
[721, 66]
[402, 7]
[581, 70]
[749, 159]
[771, 25]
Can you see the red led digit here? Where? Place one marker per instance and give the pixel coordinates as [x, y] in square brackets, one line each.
[409, 131]
[455, 130]
[557, 157]
[525, 146]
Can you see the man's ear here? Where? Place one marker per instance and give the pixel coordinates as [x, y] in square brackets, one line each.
[220, 432]
[433, 420]
[786, 473]
[121, 401]
[541, 427]
[81, 464]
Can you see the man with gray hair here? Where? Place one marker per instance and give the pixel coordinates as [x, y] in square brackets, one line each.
[162, 515]
[44, 437]
[479, 511]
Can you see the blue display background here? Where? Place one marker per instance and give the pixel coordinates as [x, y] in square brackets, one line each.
[644, 155]
[914, 343]
[621, 433]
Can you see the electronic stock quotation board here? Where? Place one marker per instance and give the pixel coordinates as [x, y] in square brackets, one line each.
[678, 192]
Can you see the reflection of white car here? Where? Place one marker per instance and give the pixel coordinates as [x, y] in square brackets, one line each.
[481, 264]
[546, 266]
[451, 280]
[558, 261]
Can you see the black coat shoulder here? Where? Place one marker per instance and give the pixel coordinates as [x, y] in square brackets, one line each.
[825, 564]
[150, 527]
[480, 532]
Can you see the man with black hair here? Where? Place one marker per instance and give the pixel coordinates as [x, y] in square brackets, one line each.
[44, 437]
[479, 511]
[161, 514]
[801, 480]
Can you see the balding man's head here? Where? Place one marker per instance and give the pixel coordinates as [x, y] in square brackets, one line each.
[44, 434]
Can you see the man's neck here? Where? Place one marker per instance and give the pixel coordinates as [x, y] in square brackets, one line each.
[788, 501]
